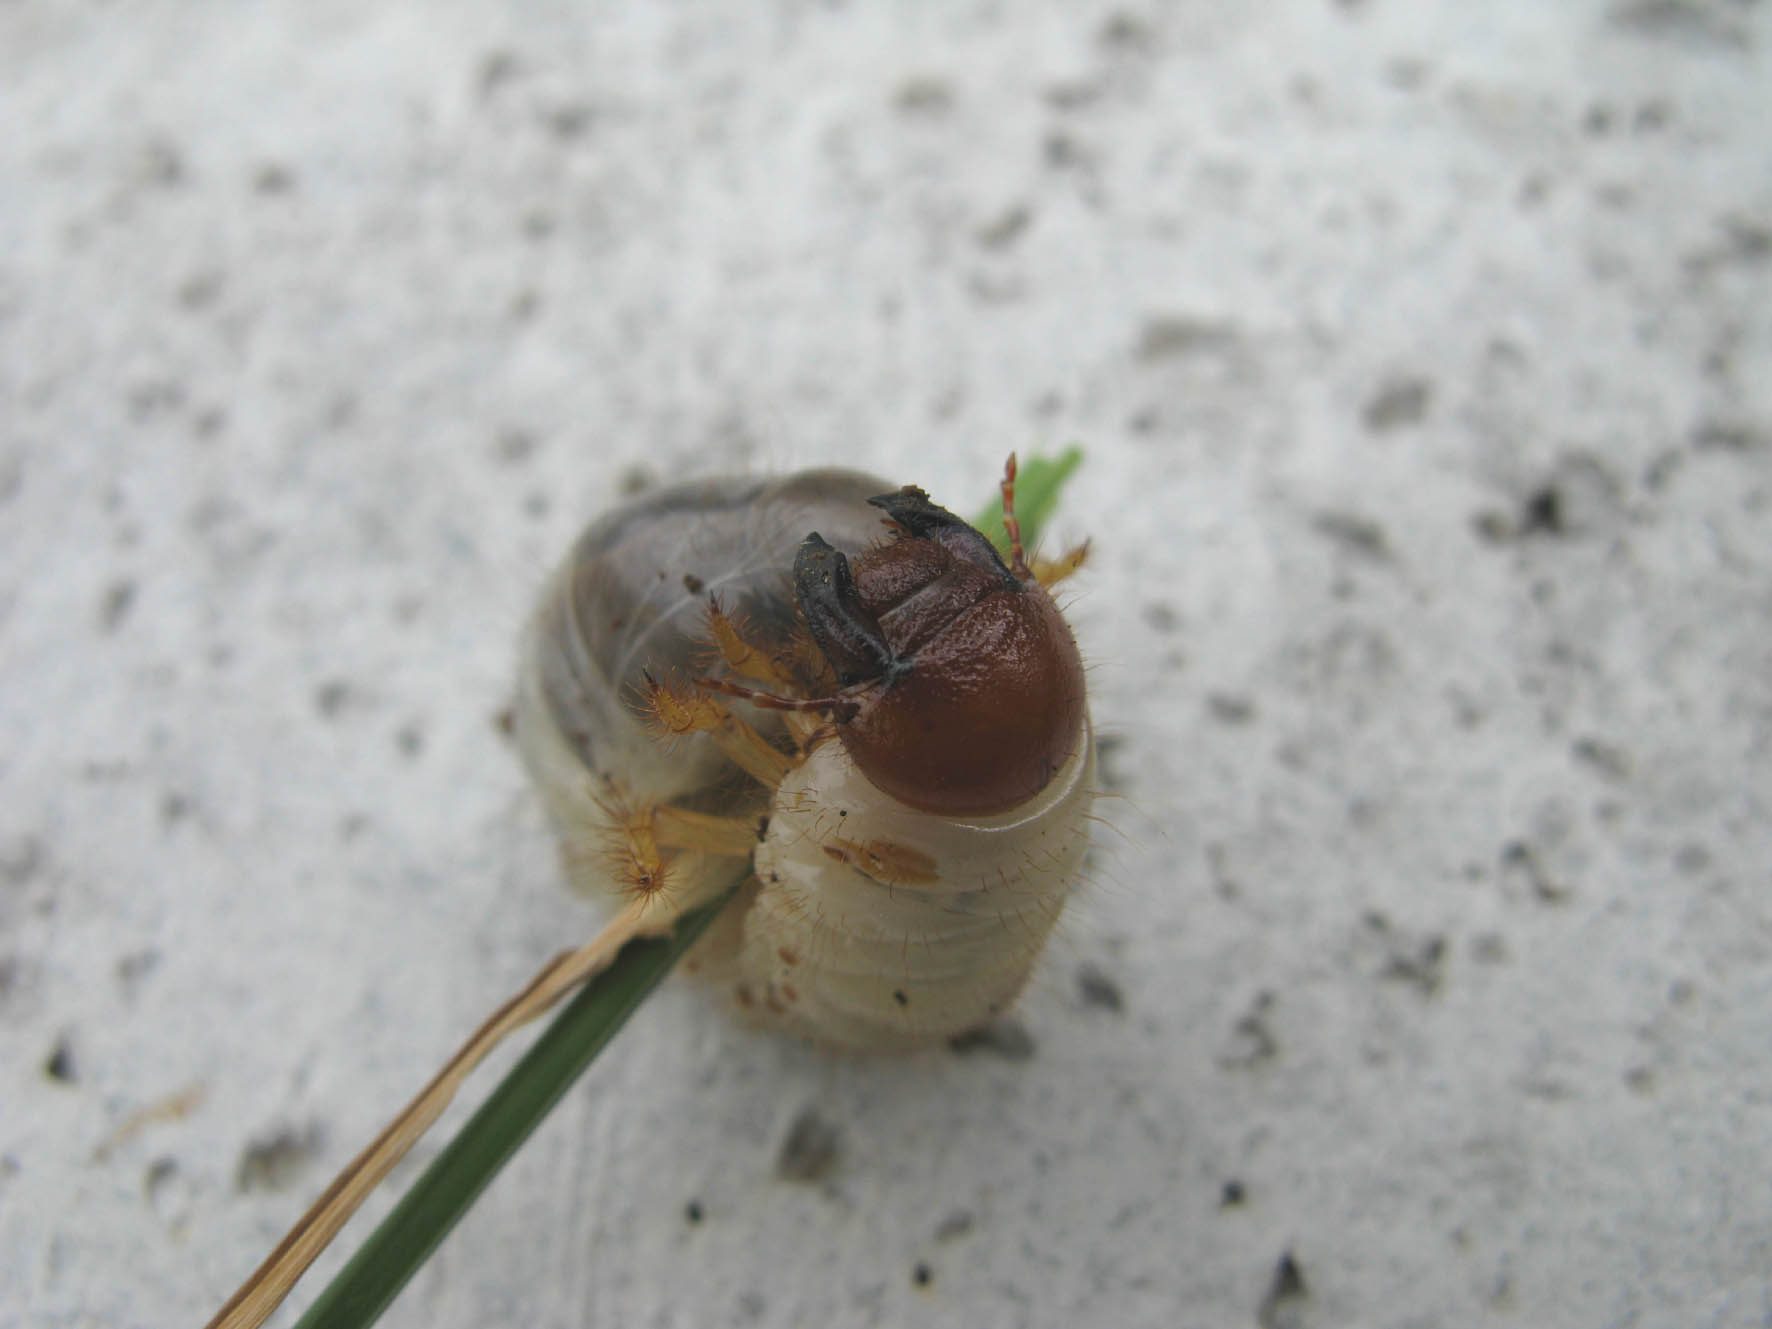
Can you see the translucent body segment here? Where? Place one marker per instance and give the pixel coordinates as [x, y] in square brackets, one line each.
[631, 598]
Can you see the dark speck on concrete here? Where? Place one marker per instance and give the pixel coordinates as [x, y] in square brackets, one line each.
[20, 860]
[1543, 513]
[1125, 32]
[1521, 863]
[1608, 760]
[161, 165]
[160, 1174]
[1398, 403]
[1682, 22]
[134, 968]
[1168, 336]
[175, 808]
[925, 95]
[1110, 749]
[1692, 858]
[272, 179]
[201, 290]
[1728, 436]
[1357, 534]
[1098, 989]
[1489, 948]
[1230, 709]
[1281, 1305]
[274, 1161]
[955, 1225]
[1004, 229]
[1006, 1038]
[1423, 967]
[1493, 527]
[811, 1149]
[1161, 617]
[498, 68]
[1251, 1042]
[1074, 94]
[59, 1065]
[114, 606]
[569, 121]
[514, 446]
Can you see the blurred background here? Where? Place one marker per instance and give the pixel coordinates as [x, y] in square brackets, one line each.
[1421, 357]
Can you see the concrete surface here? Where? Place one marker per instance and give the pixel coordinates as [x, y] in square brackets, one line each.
[1423, 357]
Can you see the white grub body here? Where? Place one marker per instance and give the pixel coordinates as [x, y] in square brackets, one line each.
[865, 923]
[874, 959]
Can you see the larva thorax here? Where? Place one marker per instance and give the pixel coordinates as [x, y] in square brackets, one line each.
[847, 686]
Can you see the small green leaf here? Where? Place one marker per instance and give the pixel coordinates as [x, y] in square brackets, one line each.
[1037, 484]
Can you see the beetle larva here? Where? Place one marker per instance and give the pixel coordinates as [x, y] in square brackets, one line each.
[841, 699]
[849, 687]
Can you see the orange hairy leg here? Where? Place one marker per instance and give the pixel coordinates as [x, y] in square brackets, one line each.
[680, 714]
[1050, 571]
[743, 658]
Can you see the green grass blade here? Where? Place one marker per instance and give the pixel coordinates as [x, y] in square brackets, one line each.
[1037, 487]
[455, 1178]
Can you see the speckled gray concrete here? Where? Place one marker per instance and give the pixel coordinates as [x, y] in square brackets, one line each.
[1423, 358]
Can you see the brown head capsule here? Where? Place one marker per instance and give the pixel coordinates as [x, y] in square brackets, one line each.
[962, 688]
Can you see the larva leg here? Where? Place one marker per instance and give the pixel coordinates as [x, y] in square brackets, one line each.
[1050, 571]
[618, 848]
[703, 832]
[803, 660]
[780, 671]
[634, 854]
[839, 707]
[627, 849]
[1018, 562]
[744, 659]
[681, 714]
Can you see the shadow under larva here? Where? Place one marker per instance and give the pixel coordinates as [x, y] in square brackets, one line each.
[846, 686]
